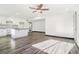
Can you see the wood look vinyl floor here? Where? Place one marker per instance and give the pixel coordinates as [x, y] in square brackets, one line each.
[37, 43]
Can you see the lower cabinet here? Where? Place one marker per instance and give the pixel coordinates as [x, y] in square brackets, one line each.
[3, 32]
[17, 33]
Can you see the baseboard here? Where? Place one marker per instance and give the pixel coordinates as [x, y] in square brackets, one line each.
[38, 31]
[54, 35]
[60, 37]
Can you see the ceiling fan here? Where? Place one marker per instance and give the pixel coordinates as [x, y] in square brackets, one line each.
[39, 8]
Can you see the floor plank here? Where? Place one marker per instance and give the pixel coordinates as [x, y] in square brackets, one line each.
[36, 43]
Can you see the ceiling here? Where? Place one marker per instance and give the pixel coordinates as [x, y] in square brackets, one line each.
[22, 10]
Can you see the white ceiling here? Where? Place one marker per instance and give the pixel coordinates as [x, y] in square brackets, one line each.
[22, 10]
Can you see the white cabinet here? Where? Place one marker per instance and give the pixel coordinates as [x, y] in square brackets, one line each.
[17, 33]
[3, 32]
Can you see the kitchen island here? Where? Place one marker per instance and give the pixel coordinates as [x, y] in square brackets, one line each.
[19, 32]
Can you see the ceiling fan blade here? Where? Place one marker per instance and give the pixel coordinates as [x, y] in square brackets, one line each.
[32, 8]
[40, 5]
[41, 12]
[34, 11]
[44, 9]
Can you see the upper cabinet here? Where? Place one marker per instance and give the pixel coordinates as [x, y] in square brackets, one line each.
[15, 22]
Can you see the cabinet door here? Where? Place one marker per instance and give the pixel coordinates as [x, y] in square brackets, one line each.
[3, 32]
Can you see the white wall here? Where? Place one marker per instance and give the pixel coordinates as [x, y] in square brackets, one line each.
[38, 25]
[60, 22]
[77, 28]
